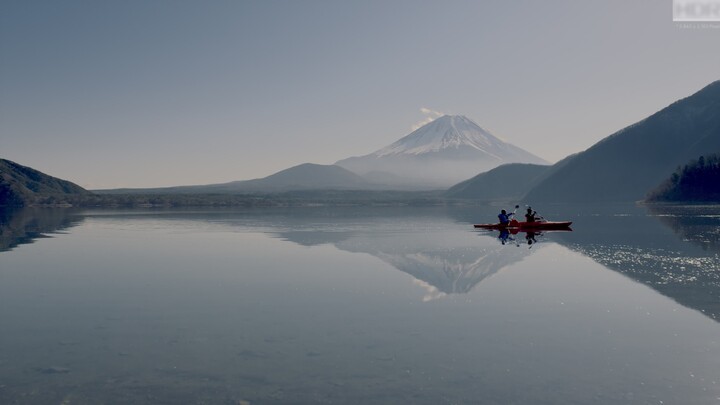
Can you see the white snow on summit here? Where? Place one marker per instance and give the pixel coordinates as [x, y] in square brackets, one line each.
[442, 153]
[448, 131]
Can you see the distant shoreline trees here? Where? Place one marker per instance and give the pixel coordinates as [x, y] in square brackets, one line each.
[697, 181]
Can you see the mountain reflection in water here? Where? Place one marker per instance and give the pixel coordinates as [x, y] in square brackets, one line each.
[672, 249]
[698, 224]
[679, 261]
[24, 225]
[308, 306]
[445, 261]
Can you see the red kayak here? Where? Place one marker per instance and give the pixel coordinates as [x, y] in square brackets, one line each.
[537, 225]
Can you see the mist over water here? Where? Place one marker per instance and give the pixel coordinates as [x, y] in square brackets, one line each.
[359, 305]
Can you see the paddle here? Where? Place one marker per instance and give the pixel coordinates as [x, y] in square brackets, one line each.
[512, 214]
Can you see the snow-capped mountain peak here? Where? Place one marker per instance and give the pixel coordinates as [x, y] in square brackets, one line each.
[443, 152]
[448, 131]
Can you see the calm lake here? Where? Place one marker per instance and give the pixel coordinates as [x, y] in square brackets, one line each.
[359, 306]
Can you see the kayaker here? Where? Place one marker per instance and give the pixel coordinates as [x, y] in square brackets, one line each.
[504, 235]
[504, 217]
[530, 215]
[530, 238]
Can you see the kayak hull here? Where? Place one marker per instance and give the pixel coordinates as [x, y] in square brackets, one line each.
[539, 225]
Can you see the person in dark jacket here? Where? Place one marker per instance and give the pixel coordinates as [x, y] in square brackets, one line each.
[530, 215]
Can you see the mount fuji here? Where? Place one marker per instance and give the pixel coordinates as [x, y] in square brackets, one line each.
[448, 150]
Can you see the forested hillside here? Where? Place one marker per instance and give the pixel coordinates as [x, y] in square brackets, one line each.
[699, 180]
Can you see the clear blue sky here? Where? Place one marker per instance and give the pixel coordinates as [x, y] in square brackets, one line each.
[141, 93]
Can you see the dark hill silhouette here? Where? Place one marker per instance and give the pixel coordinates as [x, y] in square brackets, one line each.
[629, 163]
[506, 182]
[22, 186]
[307, 176]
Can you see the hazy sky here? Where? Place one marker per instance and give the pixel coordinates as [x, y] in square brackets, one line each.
[144, 93]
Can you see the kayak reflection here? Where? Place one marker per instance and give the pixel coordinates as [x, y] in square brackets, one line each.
[517, 236]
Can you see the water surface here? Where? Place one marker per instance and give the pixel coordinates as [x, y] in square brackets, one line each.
[358, 305]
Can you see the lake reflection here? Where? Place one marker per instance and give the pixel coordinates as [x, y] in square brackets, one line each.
[358, 305]
[672, 249]
[24, 225]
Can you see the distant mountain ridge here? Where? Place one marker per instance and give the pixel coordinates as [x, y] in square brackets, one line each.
[507, 182]
[445, 151]
[303, 177]
[629, 163]
[623, 167]
[308, 175]
[22, 186]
